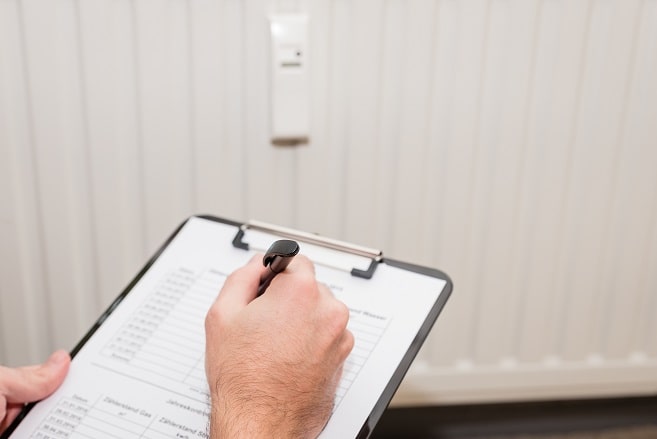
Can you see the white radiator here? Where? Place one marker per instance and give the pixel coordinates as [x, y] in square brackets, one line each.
[511, 143]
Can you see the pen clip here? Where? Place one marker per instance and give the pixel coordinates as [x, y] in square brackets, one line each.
[279, 254]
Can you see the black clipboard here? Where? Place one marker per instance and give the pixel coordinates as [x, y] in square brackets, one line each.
[376, 258]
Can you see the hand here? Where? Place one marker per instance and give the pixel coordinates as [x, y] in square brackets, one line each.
[31, 383]
[273, 362]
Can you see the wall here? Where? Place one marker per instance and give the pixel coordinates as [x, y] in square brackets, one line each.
[511, 143]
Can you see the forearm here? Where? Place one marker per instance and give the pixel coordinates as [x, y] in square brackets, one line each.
[253, 411]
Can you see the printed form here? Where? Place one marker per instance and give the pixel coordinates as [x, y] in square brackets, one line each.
[142, 373]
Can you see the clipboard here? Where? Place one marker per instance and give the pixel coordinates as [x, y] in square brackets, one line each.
[121, 347]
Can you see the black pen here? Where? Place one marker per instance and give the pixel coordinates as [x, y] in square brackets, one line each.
[277, 258]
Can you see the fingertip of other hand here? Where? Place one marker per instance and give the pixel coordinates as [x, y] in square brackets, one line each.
[59, 358]
[58, 364]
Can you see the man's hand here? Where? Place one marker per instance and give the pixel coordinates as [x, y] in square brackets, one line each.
[273, 362]
[31, 383]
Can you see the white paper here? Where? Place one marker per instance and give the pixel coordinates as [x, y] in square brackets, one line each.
[142, 374]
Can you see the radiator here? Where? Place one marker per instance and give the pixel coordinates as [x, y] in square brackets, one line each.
[510, 143]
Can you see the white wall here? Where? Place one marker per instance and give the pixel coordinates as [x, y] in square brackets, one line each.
[511, 143]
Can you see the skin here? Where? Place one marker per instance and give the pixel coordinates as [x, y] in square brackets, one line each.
[30, 383]
[273, 362]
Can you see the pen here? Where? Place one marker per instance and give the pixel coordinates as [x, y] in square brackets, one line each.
[277, 258]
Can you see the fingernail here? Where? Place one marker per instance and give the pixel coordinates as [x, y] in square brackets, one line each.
[58, 357]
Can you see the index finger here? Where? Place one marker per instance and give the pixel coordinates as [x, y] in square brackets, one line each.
[241, 287]
[301, 264]
[298, 276]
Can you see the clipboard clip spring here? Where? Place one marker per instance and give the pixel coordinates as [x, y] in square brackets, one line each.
[376, 256]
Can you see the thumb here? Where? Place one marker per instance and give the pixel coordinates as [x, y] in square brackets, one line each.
[32, 383]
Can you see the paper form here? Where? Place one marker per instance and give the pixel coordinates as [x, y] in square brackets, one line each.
[142, 373]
